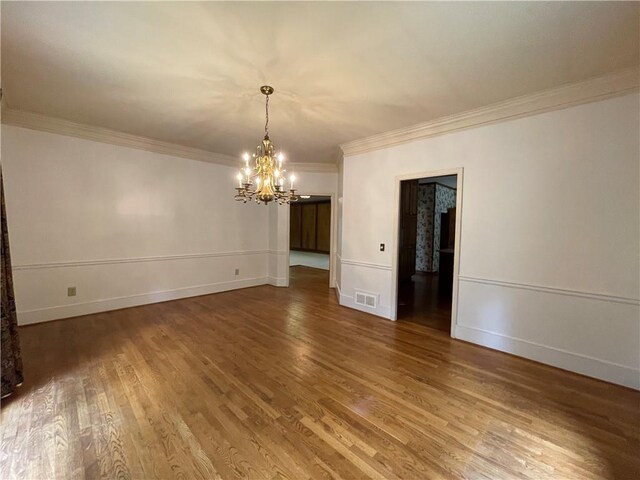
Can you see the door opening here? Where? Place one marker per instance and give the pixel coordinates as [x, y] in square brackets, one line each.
[426, 250]
[310, 238]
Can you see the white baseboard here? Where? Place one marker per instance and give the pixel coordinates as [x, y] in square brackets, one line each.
[589, 366]
[45, 314]
[278, 281]
[338, 293]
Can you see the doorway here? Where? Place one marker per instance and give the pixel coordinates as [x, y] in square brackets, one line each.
[427, 223]
[310, 220]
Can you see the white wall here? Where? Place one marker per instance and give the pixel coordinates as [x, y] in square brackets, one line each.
[279, 245]
[125, 226]
[549, 257]
[338, 209]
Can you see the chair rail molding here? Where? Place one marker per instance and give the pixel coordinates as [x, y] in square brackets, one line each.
[591, 90]
[554, 290]
[377, 266]
[111, 261]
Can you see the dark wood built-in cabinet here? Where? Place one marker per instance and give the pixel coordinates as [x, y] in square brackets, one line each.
[323, 227]
[310, 227]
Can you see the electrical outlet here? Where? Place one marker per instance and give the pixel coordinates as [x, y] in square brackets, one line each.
[237, 271]
[71, 292]
[382, 247]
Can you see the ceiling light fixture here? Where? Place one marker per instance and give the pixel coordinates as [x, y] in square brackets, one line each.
[266, 173]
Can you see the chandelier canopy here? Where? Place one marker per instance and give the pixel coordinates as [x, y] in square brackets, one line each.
[263, 180]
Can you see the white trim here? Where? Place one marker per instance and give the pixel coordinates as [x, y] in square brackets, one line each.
[278, 252]
[45, 123]
[591, 90]
[575, 362]
[333, 239]
[83, 263]
[278, 281]
[377, 266]
[36, 315]
[459, 172]
[558, 291]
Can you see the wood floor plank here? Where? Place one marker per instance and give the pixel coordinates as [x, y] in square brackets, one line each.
[276, 383]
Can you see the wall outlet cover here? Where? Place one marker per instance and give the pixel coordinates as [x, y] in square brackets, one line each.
[71, 292]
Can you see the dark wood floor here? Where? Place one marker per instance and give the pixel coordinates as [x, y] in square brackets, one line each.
[283, 383]
[420, 301]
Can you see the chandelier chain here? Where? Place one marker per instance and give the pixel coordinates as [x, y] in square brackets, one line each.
[266, 125]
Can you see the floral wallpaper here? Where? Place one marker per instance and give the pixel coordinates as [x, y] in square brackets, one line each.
[433, 199]
[426, 201]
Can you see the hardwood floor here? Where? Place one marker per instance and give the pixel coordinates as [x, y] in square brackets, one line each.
[283, 383]
[420, 301]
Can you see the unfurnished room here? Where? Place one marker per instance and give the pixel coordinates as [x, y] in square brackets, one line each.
[320, 240]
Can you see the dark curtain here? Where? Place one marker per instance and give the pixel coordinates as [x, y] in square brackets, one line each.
[11, 356]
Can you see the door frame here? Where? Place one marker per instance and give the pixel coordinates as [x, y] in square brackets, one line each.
[459, 172]
[333, 241]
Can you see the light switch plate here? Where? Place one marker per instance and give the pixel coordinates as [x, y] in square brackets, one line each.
[71, 292]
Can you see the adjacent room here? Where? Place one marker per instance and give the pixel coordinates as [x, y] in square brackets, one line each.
[310, 232]
[426, 248]
[320, 240]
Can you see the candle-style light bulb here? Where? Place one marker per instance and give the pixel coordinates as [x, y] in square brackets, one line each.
[246, 159]
[239, 177]
[292, 178]
[280, 158]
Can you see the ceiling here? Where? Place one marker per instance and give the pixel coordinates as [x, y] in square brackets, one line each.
[189, 73]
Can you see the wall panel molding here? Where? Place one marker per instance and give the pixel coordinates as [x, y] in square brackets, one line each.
[599, 88]
[558, 291]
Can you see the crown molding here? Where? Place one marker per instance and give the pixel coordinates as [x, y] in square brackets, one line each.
[599, 88]
[44, 123]
[312, 167]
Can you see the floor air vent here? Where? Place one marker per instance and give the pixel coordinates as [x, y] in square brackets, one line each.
[366, 299]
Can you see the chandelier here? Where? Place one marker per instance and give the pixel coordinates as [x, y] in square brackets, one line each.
[264, 180]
